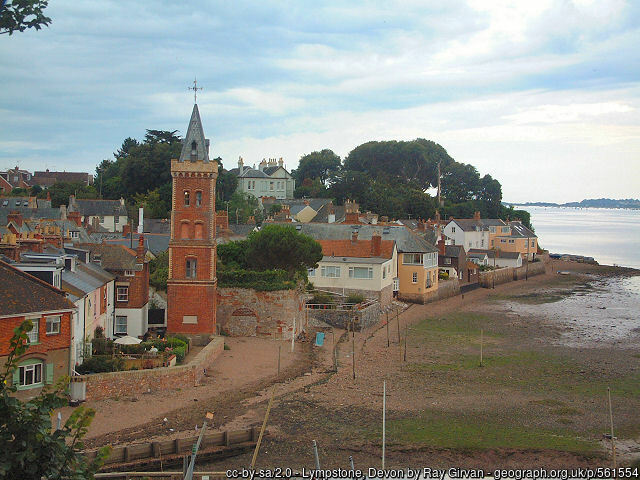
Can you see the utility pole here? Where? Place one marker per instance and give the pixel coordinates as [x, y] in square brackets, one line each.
[438, 184]
[526, 270]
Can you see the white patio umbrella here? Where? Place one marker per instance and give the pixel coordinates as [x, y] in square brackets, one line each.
[127, 340]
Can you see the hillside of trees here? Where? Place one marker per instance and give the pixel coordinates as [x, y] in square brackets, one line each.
[393, 178]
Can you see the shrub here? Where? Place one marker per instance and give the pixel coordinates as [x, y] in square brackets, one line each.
[267, 280]
[355, 298]
[320, 297]
[100, 363]
[180, 353]
[443, 275]
[101, 346]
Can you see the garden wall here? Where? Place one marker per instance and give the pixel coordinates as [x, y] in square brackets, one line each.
[100, 386]
[246, 312]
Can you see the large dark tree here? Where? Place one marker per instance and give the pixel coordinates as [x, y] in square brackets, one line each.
[19, 15]
[317, 165]
[414, 162]
[280, 246]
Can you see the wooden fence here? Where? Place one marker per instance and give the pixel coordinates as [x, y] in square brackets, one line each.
[178, 446]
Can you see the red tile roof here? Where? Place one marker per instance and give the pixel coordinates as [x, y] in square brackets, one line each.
[356, 249]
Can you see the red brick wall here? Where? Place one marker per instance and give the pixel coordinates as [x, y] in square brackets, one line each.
[205, 212]
[47, 342]
[119, 384]
[138, 289]
[191, 299]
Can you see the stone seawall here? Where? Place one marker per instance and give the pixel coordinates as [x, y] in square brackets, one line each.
[100, 386]
[363, 318]
[509, 274]
[245, 312]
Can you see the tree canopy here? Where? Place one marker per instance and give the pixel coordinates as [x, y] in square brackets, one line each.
[19, 15]
[317, 165]
[31, 449]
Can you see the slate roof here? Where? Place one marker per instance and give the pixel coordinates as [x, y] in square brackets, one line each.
[49, 178]
[406, 240]
[454, 251]
[195, 133]
[252, 173]
[157, 225]
[22, 293]
[95, 207]
[323, 213]
[470, 224]
[112, 257]
[155, 243]
[520, 231]
[358, 249]
[11, 202]
[85, 279]
[491, 253]
[28, 213]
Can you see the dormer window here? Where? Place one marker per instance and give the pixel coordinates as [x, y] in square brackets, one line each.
[194, 150]
[186, 198]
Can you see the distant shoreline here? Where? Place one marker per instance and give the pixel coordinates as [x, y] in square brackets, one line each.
[605, 203]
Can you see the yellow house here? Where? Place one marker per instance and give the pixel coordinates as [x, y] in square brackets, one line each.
[520, 239]
[418, 275]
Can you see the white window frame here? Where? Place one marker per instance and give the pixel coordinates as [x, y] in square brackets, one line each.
[352, 273]
[447, 260]
[116, 219]
[75, 234]
[117, 325]
[122, 294]
[311, 272]
[129, 273]
[53, 323]
[34, 334]
[413, 256]
[414, 277]
[330, 271]
[36, 371]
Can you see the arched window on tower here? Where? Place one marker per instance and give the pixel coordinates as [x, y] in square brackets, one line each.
[198, 198]
[184, 229]
[194, 150]
[187, 198]
[199, 230]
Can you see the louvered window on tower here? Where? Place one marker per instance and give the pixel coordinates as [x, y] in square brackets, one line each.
[194, 150]
[191, 268]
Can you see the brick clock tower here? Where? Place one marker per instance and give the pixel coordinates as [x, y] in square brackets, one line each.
[191, 286]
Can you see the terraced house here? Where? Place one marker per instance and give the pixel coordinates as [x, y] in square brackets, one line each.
[47, 358]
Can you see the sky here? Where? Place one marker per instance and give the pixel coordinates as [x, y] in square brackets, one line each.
[544, 95]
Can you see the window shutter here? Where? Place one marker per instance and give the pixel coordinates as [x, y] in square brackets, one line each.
[16, 377]
[49, 372]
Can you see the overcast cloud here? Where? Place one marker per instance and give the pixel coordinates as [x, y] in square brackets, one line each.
[543, 95]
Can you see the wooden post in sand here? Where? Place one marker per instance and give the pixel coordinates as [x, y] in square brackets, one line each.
[279, 351]
[406, 330]
[613, 442]
[353, 349]
[387, 329]
[264, 425]
[398, 320]
[481, 346]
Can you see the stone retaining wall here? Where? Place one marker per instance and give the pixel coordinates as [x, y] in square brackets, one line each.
[245, 312]
[363, 318]
[509, 274]
[100, 386]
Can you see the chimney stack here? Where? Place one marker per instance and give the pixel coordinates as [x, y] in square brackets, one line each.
[441, 247]
[376, 244]
[15, 217]
[126, 230]
[140, 220]
[476, 215]
[75, 217]
[140, 249]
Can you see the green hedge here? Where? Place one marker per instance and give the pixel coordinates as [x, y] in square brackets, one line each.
[267, 280]
[101, 363]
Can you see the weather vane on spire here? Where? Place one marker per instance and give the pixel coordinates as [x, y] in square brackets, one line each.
[195, 89]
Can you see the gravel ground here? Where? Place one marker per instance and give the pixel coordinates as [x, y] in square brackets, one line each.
[531, 382]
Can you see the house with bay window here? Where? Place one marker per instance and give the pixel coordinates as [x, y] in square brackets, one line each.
[414, 273]
[356, 266]
[131, 271]
[25, 297]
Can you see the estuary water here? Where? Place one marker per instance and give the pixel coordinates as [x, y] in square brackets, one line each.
[611, 236]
